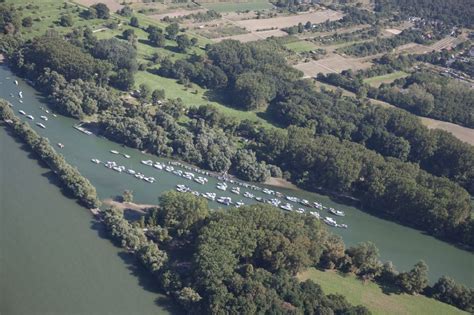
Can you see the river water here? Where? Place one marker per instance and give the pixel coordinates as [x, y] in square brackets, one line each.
[403, 246]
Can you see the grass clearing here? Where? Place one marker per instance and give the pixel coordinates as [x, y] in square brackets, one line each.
[301, 46]
[372, 296]
[386, 78]
[194, 96]
[253, 5]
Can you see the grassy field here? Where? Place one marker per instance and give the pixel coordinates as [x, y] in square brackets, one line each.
[387, 78]
[372, 296]
[301, 46]
[252, 5]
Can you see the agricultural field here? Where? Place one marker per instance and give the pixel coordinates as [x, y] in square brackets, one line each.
[301, 46]
[373, 296]
[387, 78]
[280, 22]
[252, 5]
[334, 63]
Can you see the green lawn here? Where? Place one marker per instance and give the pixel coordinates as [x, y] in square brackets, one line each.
[301, 46]
[371, 295]
[190, 97]
[252, 5]
[387, 78]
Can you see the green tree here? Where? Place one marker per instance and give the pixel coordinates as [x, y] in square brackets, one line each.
[66, 20]
[134, 21]
[27, 21]
[157, 96]
[416, 280]
[127, 196]
[172, 30]
[102, 10]
[183, 42]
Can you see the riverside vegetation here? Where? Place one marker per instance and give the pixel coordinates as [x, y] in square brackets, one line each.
[69, 176]
[245, 260]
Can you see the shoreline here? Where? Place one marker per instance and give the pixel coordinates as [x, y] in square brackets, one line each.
[127, 205]
[281, 183]
[2, 58]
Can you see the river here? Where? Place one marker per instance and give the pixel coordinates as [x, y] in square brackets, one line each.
[403, 246]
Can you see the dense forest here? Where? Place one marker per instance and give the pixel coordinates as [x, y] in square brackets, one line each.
[452, 12]
[244, 261]
[430, 95]
[70, 177]
[259, 77]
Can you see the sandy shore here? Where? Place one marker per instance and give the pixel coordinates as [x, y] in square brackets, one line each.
[127, 205]
[280, 182]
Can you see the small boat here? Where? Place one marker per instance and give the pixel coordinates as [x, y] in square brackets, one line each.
[210, 196]
[126, 156]
[47, 111]
[9, 104]
[96, 161]
[147, 162]
[31, 117]
[151, 180]
[330, 221]
[16, 82]
[239, 204]
[235, 190]
[131, 172]
[224, 200]
[20, 94]
[305, 202]
[114, 152]
[60, 145]
[337, 212]
[41, 125]
[44, 118]
[344, 226]
[21, 101]
[54, 115]
[268, 191]
[259, 199]
[22, 112]
[158, 166]
[315, 214]
[287, 207]
[248, 195]
[290, 198]
[317, 205]
[300, 210]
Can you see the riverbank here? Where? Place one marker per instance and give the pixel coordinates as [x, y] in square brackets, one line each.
[280, 183]
[2, 58]
[109, 202]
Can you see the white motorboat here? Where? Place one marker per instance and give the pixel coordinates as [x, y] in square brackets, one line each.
[300, 210]
[126, 156]
[248, 195]
[235, 190]
[239, 204]
[22, 112]
[305, 202]
[20, 94]
[114, 152]
[41, 125]
[60, 145]
[158, 166]
[293, 199]
[131, 172]
[31, 117]
[330, 221]
[224, 200]
[96, 161]
[337, 212]
[315, 214]
[44, 118]
[344, 226]
[210, 196]
[16, 82]
[287, 207]
[317, 205]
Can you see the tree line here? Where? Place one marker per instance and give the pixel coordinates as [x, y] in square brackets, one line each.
[246, 260]
[70, 177]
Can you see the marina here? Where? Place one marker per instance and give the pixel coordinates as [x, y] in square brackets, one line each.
[401, 245]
